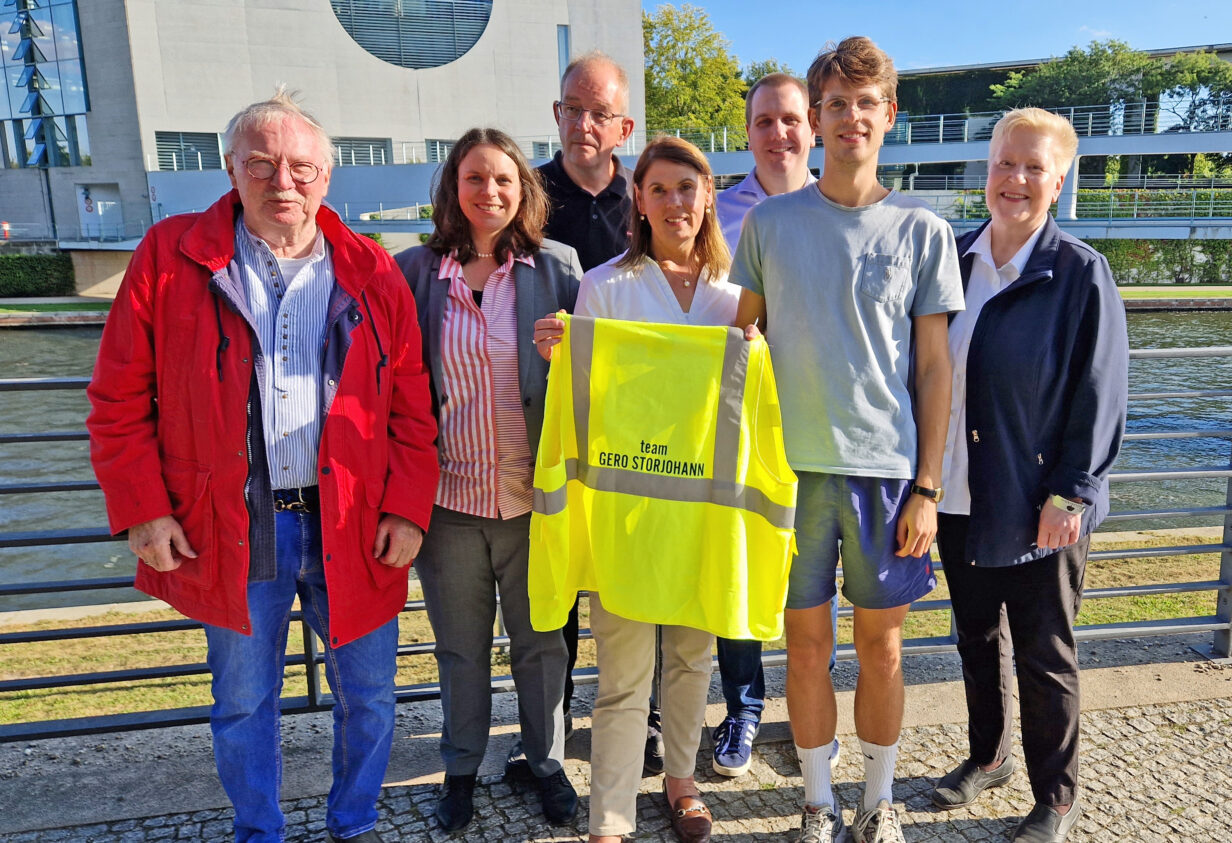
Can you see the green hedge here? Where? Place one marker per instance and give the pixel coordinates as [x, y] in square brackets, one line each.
[1168, 261]
[36, 275]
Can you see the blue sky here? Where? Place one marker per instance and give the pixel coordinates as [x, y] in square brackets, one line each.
[933, 33]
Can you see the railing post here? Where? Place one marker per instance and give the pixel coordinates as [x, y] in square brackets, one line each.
[311, 675]
[1222, 644]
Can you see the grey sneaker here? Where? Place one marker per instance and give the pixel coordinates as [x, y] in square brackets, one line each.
[879, 825]
[821, 825]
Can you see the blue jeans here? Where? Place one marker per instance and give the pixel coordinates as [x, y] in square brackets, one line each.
[744, 681]
[247, 683]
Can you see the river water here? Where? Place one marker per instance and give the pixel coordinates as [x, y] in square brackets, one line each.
[63, 352]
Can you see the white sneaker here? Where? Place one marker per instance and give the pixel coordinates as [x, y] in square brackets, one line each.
[821, 825]
[880, 825]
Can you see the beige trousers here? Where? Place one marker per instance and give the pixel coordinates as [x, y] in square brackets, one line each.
[618, 728]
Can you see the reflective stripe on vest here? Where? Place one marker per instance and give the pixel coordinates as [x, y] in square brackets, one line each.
[661, 480]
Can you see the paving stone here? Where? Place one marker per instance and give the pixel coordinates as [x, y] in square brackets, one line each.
[1148, 774]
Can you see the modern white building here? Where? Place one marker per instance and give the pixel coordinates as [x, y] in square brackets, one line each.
[104, 95]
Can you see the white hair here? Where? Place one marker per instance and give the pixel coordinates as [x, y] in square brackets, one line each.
[273, 110]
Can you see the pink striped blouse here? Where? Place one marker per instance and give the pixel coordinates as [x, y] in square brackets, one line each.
[486, 464]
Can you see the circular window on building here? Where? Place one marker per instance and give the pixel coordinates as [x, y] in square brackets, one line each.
[414, 33]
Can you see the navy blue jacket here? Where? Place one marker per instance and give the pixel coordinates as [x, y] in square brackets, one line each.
[1047, 384]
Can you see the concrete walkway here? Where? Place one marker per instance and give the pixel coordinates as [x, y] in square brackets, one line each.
[1157, 765]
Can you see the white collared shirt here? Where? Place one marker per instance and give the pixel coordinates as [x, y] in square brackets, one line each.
[987, 280]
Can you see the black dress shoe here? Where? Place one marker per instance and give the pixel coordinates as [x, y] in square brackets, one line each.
[1045, 825]
[560, 800]
[517, 766]
[964, 783]
[369, 836]
[455, 806]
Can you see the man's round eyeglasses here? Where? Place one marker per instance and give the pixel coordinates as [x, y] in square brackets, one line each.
[573, 113]
[302, 172]
[839, 105]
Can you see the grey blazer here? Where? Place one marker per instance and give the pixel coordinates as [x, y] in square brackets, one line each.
[551, 285]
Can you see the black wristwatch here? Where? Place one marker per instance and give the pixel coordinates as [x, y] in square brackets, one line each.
[934, 495]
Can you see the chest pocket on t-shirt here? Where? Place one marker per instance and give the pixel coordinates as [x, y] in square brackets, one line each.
[885, 278]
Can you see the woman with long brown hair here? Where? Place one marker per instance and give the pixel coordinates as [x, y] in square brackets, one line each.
[478, 282]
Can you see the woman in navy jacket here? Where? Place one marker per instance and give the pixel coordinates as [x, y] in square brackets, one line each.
[1038, 411]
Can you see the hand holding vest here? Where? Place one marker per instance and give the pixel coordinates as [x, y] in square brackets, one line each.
[661, 481]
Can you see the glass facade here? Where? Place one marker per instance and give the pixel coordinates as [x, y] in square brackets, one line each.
[43, 106]
[414, 33]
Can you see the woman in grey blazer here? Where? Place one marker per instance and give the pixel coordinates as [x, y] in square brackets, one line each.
[481, 280]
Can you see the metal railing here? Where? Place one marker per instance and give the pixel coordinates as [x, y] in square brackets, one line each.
[1210, 114]
[977, 181]
[310, 660]
[1110, 205]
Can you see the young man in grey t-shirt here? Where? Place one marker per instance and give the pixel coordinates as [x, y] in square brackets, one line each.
[852, 284]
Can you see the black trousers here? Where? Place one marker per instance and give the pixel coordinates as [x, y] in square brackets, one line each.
[1031, 607]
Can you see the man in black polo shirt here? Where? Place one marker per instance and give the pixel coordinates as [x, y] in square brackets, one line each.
[586, 182]
[591, 209]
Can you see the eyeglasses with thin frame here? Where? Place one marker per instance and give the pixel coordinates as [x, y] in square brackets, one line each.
[262, 169]
[573, 113]
[840, 105]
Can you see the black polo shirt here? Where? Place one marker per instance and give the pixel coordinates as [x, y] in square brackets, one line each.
[597, 226]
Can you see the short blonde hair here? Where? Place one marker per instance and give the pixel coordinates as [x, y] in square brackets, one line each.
[1065, 139]
[273, 110]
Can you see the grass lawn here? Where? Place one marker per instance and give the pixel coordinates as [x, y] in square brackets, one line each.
[56, 307]
[1178, 291]
[188, 647]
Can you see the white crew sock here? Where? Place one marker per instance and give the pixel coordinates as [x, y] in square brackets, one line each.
[878, 772]
[815, 766]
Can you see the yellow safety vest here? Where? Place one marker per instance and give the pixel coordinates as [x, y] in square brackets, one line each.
[661, 481]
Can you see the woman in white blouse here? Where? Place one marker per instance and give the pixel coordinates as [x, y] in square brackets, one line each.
[674, 272]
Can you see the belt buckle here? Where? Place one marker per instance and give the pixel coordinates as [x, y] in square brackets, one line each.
[299, 505]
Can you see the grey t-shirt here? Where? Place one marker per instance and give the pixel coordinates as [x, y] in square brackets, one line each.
[841, 287]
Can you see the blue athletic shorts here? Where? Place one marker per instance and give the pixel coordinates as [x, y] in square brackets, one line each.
[857, 518]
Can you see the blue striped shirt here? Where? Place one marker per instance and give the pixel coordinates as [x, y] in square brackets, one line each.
[289, 300]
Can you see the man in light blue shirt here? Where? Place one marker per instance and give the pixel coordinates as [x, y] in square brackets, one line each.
[776, 120]
[853, 284]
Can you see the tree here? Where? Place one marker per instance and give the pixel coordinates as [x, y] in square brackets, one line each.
[1194, 87]
[758, 69]
[692, 79]
[1106, 72]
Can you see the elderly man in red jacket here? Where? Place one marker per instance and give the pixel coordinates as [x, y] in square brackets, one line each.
[261, 426]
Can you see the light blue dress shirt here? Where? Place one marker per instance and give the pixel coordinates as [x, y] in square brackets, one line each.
[736, 201]
[289, 300]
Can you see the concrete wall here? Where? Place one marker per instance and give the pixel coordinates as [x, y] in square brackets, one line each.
[23, 203]
[189, 65]
[196, 63]
[98, 273]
